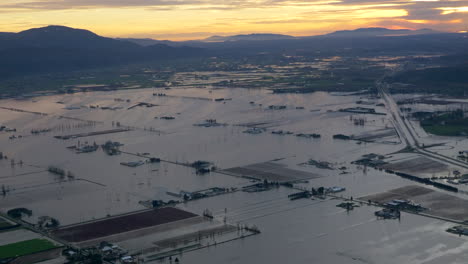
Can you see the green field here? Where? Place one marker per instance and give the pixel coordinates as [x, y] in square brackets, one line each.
[446, 130]
[447, 124]
[25, 247]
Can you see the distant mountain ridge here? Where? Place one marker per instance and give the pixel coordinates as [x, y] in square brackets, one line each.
[356, 33]
[377, 31]
[248, 37]
[146, 41]
[212, 39]
[59, 36]
[59, 48]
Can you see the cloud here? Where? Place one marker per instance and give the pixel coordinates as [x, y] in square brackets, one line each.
[191, 4]
[176, 17]
[87, 4]
[187, 4]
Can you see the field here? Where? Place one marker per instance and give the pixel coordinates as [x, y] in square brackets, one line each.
[448, 124]
[25, 247]
[446, 130]
[271, 172]
[105, 201]
[415, 165]
[116, 225]
[444, 80]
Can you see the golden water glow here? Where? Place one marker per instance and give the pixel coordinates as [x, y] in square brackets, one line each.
[195, 19]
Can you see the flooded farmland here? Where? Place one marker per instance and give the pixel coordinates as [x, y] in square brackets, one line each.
[230, 159]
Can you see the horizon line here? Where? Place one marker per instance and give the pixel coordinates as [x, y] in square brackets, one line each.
[230, 35]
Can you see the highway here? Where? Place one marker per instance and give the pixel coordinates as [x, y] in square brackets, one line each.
[406, 131]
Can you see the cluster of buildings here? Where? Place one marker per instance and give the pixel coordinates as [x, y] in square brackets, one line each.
[6, 129]
[276, 107]
[210, 123]
[254, 130]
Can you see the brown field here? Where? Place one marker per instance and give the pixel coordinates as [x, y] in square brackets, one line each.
[419, 164]
[121, 224]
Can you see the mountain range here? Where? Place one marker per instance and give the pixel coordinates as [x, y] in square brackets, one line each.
[59, 48]
[361, 32]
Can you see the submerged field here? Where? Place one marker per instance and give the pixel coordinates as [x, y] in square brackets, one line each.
[247, 136]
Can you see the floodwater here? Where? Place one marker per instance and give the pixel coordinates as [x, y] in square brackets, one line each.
[302, 231]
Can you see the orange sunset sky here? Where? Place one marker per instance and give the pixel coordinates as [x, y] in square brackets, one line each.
[195, 19]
